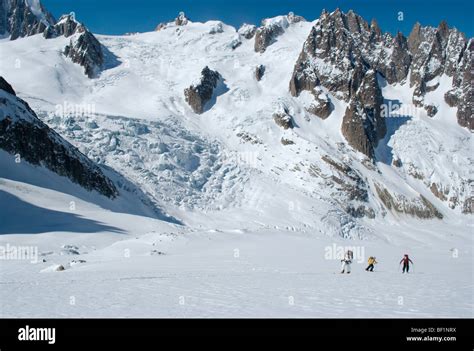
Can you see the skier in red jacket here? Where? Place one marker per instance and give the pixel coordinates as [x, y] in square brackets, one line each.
[406, 263]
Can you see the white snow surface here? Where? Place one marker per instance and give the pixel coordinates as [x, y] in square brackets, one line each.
[257, 217]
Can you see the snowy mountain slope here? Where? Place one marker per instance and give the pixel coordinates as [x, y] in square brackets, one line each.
[26, 137]
[35, 154]
[35, 200]
[157, 67]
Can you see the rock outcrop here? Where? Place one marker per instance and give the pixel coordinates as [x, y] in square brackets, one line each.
[342, 49]
[462, 94]
[283, 118]
[322, 106]
[417, 207]
[86, 51]
[271, 28]
[23, 133]
[20, 18]
[259, 72]
[181, 20]
[247, 30]
[363, 125]
[66, 26]
[5, 86]
[200, 93]
[434, 51]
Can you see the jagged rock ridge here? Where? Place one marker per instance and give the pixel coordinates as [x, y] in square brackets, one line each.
[20, 18]
[342, 49]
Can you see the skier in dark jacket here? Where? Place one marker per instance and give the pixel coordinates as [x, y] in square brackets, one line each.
[406, 263]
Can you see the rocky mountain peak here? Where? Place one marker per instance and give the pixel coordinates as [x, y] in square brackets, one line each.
[374, 27]
[22, 18]
[86, 51]
[66, 26]
[181, 20]
[345, 55]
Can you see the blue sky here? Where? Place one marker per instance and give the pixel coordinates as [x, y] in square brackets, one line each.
[121, 16]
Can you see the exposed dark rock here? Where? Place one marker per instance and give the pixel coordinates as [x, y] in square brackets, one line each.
[87, 52]
[340, 167]
[265, 36]
[451, 98]
[341, 48]
[270, 29]
[322, 106]
[330, 54]
[349, 181]
[283, 119]
[468, 206]
[431, 110]
[421, 207]
[66, 26]
[292, 18]
[397, 162]
[433, 87]
[247, 30]
[22, 133]
[249, 138]
[465, 113]
[5, 86]
[217, 28]
[437, 192]
[286, 141]
[181, 20]
[199, 94]
[437, 51]
[235, 43]
[19, 20]
[360, 211]
[396, 68]
[259, 72]
[363, 125]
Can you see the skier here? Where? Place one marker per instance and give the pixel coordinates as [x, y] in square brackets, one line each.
[406, 263]
[371, 261]
[346, 262]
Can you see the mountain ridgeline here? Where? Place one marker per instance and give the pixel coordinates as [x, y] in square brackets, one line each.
[345, 54]
[19, 18]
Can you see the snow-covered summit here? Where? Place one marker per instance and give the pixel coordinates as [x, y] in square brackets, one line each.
[273, 27]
